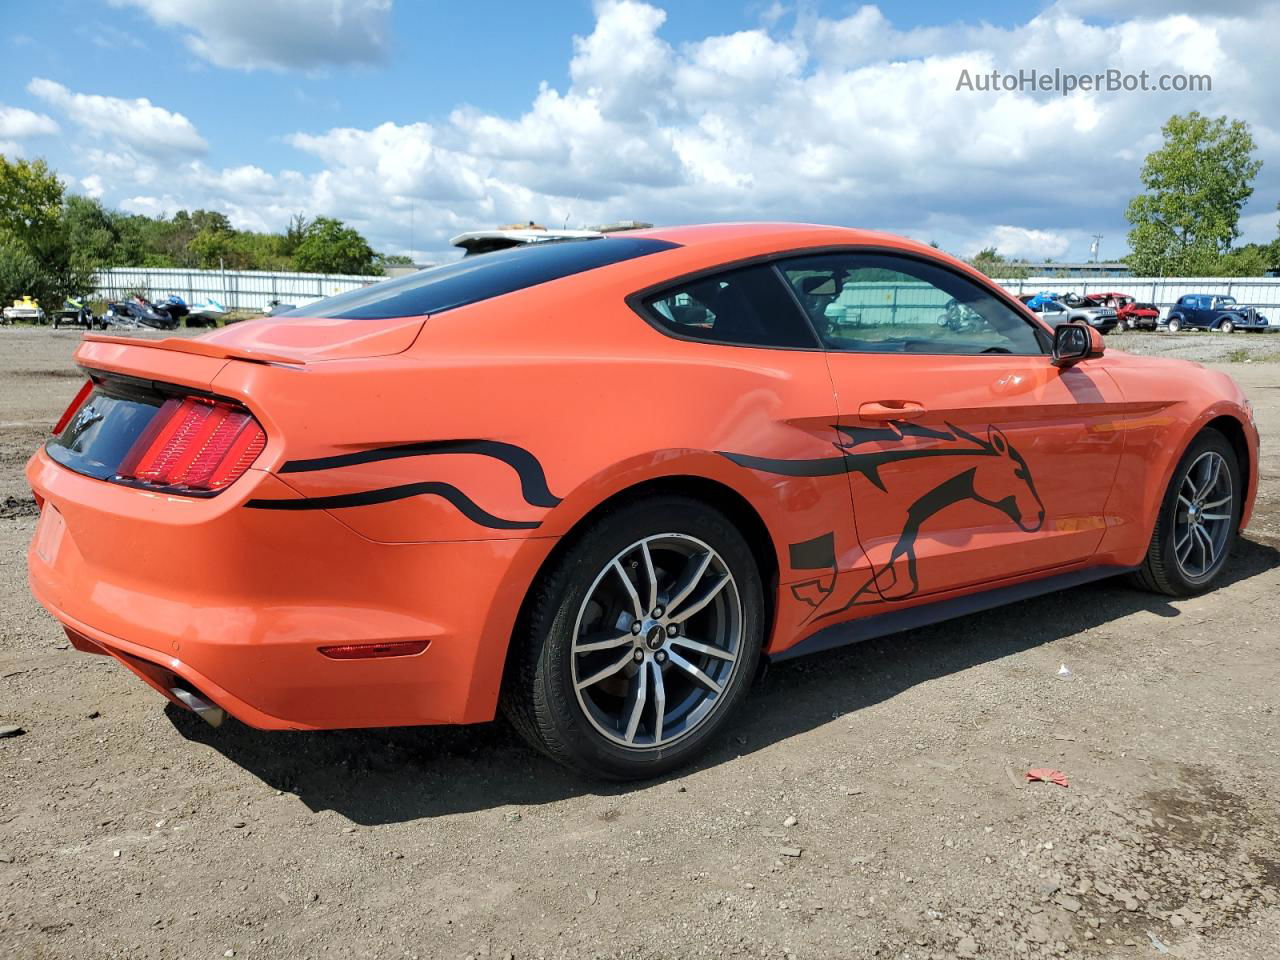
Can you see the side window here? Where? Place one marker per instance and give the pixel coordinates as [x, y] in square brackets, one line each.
[883, 303]
[746, 307]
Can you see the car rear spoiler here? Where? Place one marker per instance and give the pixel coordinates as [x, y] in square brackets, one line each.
[200, 348]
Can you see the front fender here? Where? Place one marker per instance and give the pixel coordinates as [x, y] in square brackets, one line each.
[1155, 444]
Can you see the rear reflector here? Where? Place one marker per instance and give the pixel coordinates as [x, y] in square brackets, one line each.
[75, 405]
[194, 443]
[371, 651]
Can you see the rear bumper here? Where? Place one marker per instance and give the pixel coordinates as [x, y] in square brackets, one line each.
[235, 603]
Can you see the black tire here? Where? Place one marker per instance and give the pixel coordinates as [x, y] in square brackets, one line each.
[1160, 572]
[1174, 324]
[1227, 326]
[538, 692]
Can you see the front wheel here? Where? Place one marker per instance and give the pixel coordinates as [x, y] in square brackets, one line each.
[1226, 326]
[1198, 521]
[639, 642]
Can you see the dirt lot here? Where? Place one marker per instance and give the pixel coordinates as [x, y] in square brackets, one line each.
[132, 830]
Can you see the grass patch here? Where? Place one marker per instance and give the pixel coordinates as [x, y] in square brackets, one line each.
[1240, 355]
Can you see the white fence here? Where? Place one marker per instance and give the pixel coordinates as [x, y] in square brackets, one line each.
[255, 289]
[1262, 292]
[234, 289]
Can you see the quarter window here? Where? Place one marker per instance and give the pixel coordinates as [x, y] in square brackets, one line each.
[882, 303]
[748, 307]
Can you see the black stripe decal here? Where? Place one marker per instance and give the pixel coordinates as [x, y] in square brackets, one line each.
[822, 467]
[533, 482]
[446, 491]
[816, 554]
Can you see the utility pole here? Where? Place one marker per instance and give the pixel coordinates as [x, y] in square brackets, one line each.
[1096, 246]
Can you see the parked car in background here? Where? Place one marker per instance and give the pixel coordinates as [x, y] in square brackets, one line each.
[351, 516]
[1054, 313]
[504, 238]
[517, 235]
[1131, 314]
[1206, 311]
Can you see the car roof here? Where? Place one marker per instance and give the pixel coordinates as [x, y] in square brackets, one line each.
[726, 242]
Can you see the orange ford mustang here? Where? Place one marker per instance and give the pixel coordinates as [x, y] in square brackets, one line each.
[596, 481]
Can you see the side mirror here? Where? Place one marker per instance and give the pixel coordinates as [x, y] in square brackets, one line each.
[1073, 342]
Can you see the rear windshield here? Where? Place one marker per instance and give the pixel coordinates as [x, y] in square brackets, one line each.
[478, 278]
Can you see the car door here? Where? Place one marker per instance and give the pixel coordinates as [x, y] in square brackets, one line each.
[971, 459]
[1196, 311]
[744, 321]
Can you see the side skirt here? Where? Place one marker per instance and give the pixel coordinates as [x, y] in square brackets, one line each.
[926, 614]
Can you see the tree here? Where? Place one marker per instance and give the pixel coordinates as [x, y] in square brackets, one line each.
[993, 264]
[92, 229]
[30, 196]
[1196, 185]
[37, 254]
[296, 233]
[328, 246]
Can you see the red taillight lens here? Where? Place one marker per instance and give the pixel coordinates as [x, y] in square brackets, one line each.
[71, 410]
[194, 443]
[371, 651]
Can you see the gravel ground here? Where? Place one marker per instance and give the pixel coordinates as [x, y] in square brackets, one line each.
[1201, 346]
[871, 803]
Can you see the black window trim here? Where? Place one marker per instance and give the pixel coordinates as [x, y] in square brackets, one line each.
[636, 300]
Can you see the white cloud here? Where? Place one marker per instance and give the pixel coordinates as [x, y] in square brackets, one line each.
[276, 34]
[92, 186]
[17, 123]
[138, 123]
[1024, 244]
[847, 120]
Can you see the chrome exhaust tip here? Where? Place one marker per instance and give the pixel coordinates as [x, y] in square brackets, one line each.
[210, 713]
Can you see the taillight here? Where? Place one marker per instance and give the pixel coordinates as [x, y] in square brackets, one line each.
[194, 443]
[71, 410]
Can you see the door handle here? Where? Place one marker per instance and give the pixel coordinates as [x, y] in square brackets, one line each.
[891, 410]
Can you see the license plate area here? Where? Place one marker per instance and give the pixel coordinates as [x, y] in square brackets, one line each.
[51, 530]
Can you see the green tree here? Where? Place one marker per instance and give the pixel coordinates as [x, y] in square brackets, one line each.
[1196, 184]
[30, 196]
[328, 246]
[92, 230]
[37, 253]
[296, 233]
[989, 261]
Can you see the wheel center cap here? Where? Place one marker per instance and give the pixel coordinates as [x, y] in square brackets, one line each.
[655, 637]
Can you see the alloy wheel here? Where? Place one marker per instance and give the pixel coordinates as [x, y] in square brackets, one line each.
[1205, 512]
[657, 641]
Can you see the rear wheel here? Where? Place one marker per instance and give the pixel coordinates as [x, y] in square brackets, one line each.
[640, 642]
[1175, 324]
[1198, 522]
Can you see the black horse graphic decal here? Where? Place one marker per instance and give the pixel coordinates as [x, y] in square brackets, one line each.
[999, 479]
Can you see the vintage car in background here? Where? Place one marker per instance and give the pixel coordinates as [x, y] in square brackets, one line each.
[1205, 311]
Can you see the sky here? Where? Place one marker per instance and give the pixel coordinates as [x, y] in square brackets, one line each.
[415, 120]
